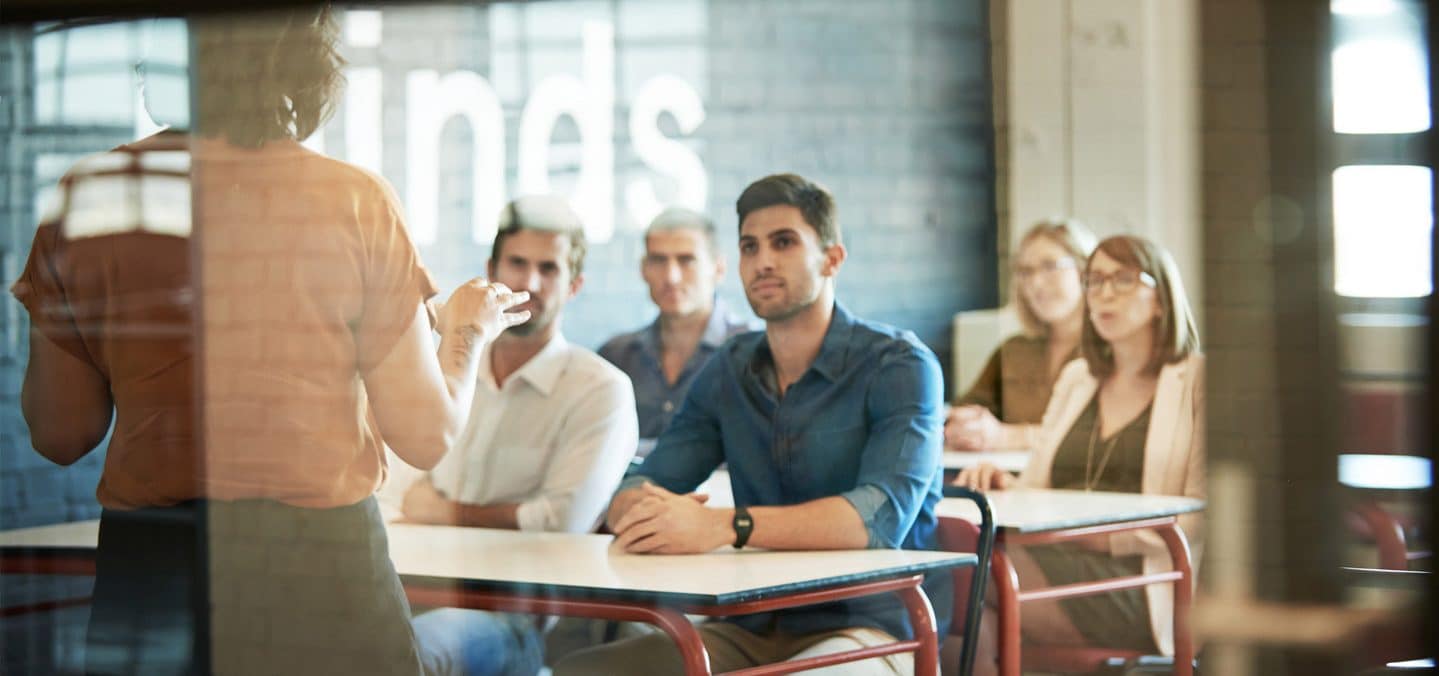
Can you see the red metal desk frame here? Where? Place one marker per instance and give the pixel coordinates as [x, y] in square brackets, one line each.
[1008, 595]
[670, 619]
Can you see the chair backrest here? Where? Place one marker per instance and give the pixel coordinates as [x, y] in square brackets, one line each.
[958, 535]
[1372, 521]
[974, 336]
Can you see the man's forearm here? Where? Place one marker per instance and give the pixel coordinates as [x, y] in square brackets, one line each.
[826, 523]
[504, 515]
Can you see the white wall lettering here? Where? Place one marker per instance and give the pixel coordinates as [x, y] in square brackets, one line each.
[663, 154]
[591, 103]
[362, 118]
[431, 101]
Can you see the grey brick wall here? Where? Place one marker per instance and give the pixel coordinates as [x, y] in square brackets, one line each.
[896, 122]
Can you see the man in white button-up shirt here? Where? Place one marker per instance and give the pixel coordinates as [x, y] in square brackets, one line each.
[550, 433]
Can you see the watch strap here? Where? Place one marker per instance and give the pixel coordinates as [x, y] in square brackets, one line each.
[743, 525]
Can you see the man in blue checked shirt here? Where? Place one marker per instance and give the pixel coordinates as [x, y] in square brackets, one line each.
[681, 267]
[831, 427]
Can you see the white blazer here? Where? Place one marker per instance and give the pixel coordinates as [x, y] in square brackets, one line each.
[1173, 465]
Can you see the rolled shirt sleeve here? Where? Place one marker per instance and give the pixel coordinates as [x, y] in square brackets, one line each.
[634, 481]
[41, 290]
[870, 502]
[902, 453]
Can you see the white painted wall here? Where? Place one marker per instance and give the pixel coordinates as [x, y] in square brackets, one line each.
[1103, 120]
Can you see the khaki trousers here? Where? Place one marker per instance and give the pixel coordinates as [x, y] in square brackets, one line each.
[731, 648]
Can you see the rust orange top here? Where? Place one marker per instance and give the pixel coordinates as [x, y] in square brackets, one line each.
[307, 280]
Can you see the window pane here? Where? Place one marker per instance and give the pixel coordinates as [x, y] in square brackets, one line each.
[363, 28]
[97, 98]
[1381, 73]
[1382, 221]
[86, 75]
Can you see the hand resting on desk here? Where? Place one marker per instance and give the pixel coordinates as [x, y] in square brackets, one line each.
[423, 503]
[652, 520]
[983, 477]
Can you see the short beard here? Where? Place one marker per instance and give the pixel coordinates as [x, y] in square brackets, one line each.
[786, 313]
[532, 326]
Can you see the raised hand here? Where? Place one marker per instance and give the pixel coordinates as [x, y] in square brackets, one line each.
[478, 309]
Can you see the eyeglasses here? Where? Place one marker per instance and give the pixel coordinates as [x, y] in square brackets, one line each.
[1123, 282]
[1024, 273]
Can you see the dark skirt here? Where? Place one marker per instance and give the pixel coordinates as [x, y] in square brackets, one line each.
[248, 587]
[1114, 620]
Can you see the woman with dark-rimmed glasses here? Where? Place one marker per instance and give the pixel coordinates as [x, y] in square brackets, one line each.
[1129, 417]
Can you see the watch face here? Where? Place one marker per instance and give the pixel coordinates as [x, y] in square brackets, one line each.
[743, 524]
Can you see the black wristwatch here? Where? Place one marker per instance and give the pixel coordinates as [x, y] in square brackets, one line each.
[743, 524]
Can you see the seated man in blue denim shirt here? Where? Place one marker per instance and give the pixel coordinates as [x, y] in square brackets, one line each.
[831, 428]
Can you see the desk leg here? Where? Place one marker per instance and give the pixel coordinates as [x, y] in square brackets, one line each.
[686, 638]
[921, 620]
[1183, 597]
[1006, 592]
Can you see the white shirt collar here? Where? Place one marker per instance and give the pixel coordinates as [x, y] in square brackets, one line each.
[542, 371]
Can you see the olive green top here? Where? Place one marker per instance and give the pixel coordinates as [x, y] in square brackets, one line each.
[1115, 464]
[1015, 384]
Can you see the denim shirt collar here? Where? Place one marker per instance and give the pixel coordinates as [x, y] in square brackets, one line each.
[833, 350]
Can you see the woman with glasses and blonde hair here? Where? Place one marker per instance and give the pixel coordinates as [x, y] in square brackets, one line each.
[1003, 407]
[1129, 417]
